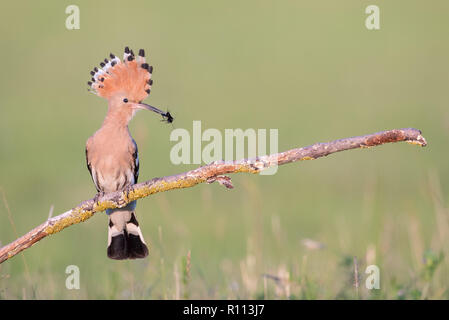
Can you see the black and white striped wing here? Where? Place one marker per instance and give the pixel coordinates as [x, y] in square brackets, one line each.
[136, 162]
[89, 167]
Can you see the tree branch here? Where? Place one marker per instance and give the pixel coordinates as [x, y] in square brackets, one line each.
[209, 173]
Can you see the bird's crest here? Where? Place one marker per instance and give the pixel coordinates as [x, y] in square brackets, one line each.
[132, 76]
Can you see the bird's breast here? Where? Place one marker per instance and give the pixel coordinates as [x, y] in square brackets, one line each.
[111, 174]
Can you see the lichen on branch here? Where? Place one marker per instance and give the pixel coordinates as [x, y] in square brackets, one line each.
[210, 173]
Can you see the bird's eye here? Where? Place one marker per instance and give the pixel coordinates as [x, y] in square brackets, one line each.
[125, 100]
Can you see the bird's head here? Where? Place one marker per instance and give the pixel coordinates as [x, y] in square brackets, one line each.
[125, 84]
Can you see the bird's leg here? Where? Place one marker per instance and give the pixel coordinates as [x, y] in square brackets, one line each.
[98, 196]
[128, 189]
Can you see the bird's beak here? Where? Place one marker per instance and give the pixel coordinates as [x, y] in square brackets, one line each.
[168, 117]
[148, 107]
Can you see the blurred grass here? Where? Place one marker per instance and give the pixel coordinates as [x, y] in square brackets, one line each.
[310, 69]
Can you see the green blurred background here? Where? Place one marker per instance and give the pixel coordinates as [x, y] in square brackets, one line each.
[308, 68]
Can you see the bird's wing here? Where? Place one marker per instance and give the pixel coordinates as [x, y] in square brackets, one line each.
[135, 167]
[89, 167]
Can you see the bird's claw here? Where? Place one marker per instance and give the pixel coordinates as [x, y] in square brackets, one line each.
[98, 196]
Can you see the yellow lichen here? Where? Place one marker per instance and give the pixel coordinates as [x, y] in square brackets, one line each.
[73, 218]
[102, 206]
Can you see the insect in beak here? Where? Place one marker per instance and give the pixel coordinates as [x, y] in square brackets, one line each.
[169, 117]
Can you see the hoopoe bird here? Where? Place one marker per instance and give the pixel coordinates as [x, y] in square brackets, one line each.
[111, 153]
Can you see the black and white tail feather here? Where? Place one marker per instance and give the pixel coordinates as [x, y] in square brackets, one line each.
[125, 239]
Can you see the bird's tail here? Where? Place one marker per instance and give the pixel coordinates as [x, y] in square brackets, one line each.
[125, 240]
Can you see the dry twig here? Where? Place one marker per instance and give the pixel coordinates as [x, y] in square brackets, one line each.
[209, 173]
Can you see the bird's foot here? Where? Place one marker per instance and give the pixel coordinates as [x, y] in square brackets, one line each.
[98, 196]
